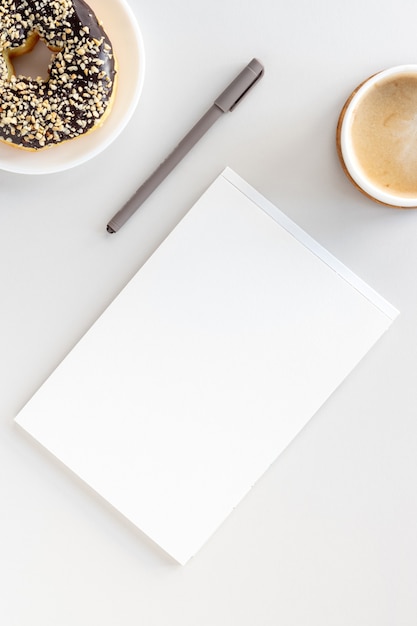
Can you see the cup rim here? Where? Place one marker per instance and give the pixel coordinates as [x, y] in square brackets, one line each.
[345, 148]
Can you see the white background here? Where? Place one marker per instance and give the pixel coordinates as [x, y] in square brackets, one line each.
[328, 536]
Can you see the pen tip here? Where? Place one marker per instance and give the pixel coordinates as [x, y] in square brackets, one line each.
[110, 229]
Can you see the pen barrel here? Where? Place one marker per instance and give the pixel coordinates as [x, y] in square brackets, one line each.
[165, 168]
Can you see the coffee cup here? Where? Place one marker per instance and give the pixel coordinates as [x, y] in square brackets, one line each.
[377, 137]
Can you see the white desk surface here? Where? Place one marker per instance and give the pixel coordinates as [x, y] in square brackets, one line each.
[328, 536]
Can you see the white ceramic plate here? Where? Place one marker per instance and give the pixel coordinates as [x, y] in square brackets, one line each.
[121, 26]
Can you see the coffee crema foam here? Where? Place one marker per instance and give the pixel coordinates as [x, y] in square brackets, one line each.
[384, 134]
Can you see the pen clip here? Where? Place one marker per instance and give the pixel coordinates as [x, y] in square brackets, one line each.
[240, 86]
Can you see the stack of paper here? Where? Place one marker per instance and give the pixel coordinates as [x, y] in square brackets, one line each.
[206, 366]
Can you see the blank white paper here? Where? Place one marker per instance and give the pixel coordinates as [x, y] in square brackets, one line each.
[206, 366]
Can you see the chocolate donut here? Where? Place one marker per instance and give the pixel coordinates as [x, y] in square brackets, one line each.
[78, 94]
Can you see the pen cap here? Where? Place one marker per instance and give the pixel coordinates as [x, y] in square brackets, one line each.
[240, 86]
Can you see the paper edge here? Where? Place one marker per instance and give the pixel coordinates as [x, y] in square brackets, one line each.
[311, 244]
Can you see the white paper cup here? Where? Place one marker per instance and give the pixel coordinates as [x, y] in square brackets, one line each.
[377, 137]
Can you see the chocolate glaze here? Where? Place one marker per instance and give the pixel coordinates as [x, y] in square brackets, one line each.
[36, 113]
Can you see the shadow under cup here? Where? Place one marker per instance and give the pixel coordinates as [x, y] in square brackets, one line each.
[377, 137]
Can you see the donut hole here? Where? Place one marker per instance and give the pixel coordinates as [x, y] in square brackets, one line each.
[33, 60]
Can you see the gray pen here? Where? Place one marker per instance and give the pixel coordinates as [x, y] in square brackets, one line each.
[227, 101]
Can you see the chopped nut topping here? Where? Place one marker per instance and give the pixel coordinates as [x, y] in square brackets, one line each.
[35, 113]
